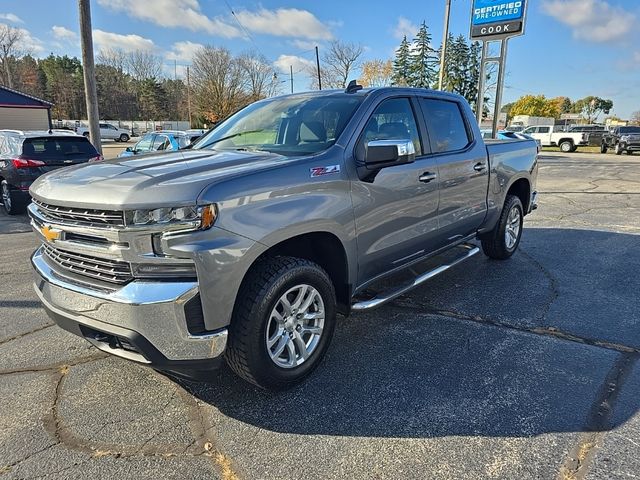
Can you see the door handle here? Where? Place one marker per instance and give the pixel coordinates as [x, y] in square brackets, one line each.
[427, 177]
[478, 167]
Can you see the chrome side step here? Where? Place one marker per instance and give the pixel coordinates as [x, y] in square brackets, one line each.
[378, 301]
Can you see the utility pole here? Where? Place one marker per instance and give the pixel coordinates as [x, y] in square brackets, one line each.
[89, 73]
[291, 75]
[445, 40]
[175, 69]
[189, 95]
[318, 65]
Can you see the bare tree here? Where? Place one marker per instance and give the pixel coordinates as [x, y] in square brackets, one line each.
[338, 63]
[143, 65]
[113, 57]
[10, 38]
[219, 83]
[260, 77]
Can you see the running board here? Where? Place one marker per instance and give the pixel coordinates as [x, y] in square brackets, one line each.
[471, 250]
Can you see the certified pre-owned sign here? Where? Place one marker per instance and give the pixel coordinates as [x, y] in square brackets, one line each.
[497, 18]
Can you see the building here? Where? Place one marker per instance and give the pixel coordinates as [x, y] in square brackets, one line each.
[19, 111]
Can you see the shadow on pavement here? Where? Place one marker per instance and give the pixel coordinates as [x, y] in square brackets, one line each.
[409, 370]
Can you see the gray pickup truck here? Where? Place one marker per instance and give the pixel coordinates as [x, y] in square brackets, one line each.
[293, 210]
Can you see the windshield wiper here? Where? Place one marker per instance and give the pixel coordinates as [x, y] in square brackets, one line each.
[246, 132]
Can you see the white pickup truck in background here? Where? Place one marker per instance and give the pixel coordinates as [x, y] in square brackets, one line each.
[567, 141]
[108, 132]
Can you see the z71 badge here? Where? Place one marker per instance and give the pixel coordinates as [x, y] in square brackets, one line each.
[319, 171]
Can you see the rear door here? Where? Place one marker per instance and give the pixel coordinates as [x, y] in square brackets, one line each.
[395, 207]
[462, 165]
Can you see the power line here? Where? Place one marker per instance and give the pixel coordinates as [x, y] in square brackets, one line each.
[246, 32]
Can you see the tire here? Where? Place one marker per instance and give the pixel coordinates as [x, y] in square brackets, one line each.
[629, 152]
[603, 148]
[254, 325]
[13, 205]
[574, 149]
[494, 243]
[86, 134]
[619, 149]
[566, 146]
[124, 138]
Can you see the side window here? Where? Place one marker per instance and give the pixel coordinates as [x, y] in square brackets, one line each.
[3, 147]
[160, 142]
[393, 119]
[446, 126]
[544, 129]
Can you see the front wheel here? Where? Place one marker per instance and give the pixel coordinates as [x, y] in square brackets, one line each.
[503, 240]
[282, 323]
[619, 149]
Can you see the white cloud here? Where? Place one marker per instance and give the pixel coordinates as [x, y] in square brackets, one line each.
[126, 43]
[64, 34]
[183, 51]
[304, 44]
[593, 20]
[299, 64]
[174, 13]
[28, 43]
[285, 22]
[10, 17]
[403, 28]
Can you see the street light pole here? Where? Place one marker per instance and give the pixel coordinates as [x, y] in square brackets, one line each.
[89, 73]
[291, 75]
[445, 40]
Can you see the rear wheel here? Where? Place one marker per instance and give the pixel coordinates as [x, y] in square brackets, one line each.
[283, 322]
[12, 203]
[603, 148]
[629, 152]
[503, 240]
[86, 134]
[566, 146]
[124, 137]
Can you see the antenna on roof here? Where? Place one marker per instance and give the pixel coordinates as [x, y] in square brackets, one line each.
[353, 87]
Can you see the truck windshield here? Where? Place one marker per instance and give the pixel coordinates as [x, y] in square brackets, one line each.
[293, 125]
[624, 130]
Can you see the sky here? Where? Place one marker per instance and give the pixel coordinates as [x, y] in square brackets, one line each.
[571, 48]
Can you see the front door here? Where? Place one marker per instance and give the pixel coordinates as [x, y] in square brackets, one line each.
[395, 211]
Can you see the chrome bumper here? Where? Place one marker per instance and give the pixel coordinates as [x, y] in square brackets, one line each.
[149, 314]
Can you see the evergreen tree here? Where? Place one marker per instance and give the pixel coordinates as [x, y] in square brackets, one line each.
[401, 64]
[422, 72]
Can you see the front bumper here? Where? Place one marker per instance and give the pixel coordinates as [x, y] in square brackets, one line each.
[143, 321]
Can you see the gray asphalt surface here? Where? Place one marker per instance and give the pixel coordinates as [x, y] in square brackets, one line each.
[519, 369]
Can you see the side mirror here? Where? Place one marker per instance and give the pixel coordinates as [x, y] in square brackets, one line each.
[386, 153]
[128, 149]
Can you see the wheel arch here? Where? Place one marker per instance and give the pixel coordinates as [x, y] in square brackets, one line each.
[521, 188]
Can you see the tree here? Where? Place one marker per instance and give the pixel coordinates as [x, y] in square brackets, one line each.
[338, 63]
[422, 71]
[635, 117]
[10, 38]
[377, 73]
[591, 107]
[64, 86]
[260, 81]
[401, 64]
[218, 82]
[536, 106]
[143, 65]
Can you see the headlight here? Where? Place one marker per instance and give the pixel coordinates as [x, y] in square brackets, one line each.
[197, 218]
[624, 138]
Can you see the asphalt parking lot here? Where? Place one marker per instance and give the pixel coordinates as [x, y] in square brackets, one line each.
[520, 369]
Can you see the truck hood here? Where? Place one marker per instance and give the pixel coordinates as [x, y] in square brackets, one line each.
[148, 181]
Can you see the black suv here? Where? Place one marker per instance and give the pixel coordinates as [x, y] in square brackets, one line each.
[24, 156]
[622, 139]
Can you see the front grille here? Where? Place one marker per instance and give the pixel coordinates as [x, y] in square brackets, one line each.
[80, 216]
[107, 270]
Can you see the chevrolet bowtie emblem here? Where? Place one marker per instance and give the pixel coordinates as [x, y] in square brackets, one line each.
[51, 234]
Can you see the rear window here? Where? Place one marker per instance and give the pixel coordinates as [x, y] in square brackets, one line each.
[58, 147]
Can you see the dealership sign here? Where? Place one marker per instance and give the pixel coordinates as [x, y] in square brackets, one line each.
[495, 19]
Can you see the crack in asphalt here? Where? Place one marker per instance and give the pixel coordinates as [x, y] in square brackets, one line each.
[577, 464]
[21, 335]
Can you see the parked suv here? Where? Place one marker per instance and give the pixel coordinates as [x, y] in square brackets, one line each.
[622, 139]
[108, 132]
[24, 156]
